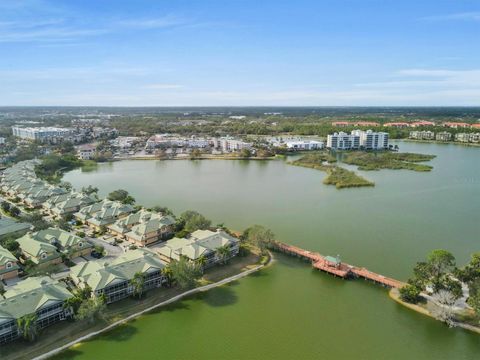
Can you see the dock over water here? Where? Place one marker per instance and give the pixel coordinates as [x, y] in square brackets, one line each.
[333, 265]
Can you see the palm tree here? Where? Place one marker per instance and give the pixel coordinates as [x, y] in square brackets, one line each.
[167, 272]
[223, 253]
[27, 325]
[201, 261]
[138, 283]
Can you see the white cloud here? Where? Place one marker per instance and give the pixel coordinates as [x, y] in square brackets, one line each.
[463, 16]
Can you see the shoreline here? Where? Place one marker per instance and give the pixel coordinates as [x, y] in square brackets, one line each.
[200, 289]
[395, 296]
[439, 142]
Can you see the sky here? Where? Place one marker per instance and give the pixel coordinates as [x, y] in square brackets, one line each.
[240, 53]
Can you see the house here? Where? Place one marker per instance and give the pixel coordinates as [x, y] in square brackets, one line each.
[8, 264]
[12, 228]
[86, 152]
[113, 280]
[201, 244]
[103, 213]
[41, 296]
[41, 253]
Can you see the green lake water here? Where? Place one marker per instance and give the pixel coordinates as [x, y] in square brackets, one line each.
[289, 310]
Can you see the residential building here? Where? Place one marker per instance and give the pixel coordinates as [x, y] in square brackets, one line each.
[343, 141]
[422, 135]
[341, 123]
[86, 152]
[443, 136]
[304, 145]
[468, 137]
[103, 213]
[8, 265]
[228, 144]
[41, 253]
[67, 244]
[396, 124]
[73, 203]
[41, 296]
[366, 123]
[155, 229]
[201, 244]
[2, 141]
[45, 134]
[113, 279]
[370, 140]
[456, 125]
[422, 123]
[12, 228]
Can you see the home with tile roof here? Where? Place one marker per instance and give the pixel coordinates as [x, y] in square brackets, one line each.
[8, 264]
[112, 279]
[41, 296]
[12, 228]
[103, 213]
[201, 244]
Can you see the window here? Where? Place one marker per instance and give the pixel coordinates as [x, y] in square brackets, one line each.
[80, 244]
[8, 265]
[43, 255]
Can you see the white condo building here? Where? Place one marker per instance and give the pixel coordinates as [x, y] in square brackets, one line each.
[41, 133]
[368, 140]
[343, 141]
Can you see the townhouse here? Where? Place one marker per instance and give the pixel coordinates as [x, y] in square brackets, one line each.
[12, 228]
[8, 264]
[422, 135]
[47, 247]
[103, 213]
[39, 296]
[443, 136]
[202, 244]
[113, 279]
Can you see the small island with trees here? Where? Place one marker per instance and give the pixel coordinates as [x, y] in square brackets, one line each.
[344, 178]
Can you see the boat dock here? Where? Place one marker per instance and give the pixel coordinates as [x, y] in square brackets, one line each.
[333, 265]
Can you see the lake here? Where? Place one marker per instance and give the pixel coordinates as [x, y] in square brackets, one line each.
[290, 310]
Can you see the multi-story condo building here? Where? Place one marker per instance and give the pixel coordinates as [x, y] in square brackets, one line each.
[422, 135]
[113, 280]
[443, 136]
[370, 140]
[228, 144]
[45, 134]
[39, 296]
[343, 141]
[358, 139]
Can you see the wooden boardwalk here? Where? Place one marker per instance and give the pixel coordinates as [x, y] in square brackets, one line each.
[333, 265]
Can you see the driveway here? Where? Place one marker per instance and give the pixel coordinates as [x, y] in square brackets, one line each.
[111, 250]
